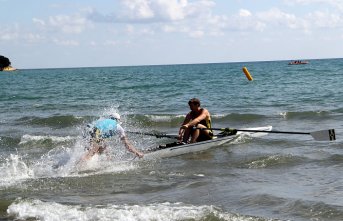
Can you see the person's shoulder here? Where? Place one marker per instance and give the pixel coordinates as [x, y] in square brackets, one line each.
[204, 110]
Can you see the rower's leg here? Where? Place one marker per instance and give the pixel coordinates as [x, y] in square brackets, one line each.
[92, 151]
[186, 135]
[195, 135]
[203, 133]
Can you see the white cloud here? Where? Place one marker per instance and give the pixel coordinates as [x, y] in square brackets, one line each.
[137, 10]
[32, 37]
[39, 22]
[8, 36]
[69, 24]
[244, 13]
[9, 33]
[277, 17]
[338, 4]
[179, 16]
[244, 20]
[135, 19]
[325, 19]
[110, 43]
[66, 42]
[195, 19]
[196, 34]
[328, 15]
[143, 11]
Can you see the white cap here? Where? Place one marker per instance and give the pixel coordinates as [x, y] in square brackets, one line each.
[115, 116]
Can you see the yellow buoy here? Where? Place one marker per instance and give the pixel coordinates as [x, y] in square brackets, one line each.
[247, 74]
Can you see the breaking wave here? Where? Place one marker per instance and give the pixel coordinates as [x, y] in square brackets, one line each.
[37, 209]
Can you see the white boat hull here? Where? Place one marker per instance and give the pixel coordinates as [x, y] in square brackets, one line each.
[201, 146]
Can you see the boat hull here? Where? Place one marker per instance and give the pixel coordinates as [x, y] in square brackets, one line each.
[298, 62]
[201, 146]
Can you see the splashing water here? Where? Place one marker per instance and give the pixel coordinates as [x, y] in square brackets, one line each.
[61, 161]
[14, 170]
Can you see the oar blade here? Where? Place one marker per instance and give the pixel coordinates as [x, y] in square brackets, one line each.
[324, 135]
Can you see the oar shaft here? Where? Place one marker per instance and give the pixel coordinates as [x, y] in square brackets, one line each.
[141, 133]
[158, 135]
[322, 135]
[257, 131]
[273, 131]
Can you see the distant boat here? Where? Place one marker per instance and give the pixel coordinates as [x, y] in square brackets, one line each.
[298, 62]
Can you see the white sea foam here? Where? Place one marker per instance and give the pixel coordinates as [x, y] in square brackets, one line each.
[36, 209]
[14, 171]
[101, 165]
[283, 114]
[162, 118]
[29, 138]
[60, 162]
[66, 162]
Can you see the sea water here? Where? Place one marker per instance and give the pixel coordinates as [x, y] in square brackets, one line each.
[43, 113]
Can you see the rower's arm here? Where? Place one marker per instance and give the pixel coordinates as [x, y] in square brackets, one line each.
[186, 121]
[195, 121]
[130, 147]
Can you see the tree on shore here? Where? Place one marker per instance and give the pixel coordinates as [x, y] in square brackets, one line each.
[4, 62]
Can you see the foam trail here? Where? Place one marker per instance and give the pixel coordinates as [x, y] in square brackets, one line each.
[36, 209]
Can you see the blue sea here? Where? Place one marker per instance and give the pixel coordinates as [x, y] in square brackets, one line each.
[43, 113]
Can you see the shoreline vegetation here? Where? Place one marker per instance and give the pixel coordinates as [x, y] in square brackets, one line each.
[8, 68]
[5, 64]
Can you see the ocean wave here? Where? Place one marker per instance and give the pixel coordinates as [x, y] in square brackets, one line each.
[236, 117]
[305, 115]
[52, 121]
[298, 209]
[170, 120]
[48, 140]
[37, 209]
[334, 159]
[274, 161]
[152, 120]
[311, 210]
[338, 110]
[136, 120]
[9, 141]
[20, 97]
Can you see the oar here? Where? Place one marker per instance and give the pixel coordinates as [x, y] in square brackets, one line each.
[321, 135]
[158, 135]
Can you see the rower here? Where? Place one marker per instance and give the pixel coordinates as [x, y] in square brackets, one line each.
[104, 129]
[198, 118]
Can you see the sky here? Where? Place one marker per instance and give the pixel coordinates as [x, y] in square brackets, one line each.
[96, 33]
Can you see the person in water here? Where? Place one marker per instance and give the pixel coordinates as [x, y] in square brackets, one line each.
[195, 124]
[103, 129]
